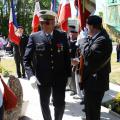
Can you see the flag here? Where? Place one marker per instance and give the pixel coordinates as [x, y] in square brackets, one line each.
[54, 5]
[85, 8]
[13, 26]
[36, 17]
[64, 13]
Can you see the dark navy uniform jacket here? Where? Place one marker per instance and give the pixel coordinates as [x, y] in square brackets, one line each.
[51, 57]
[97, 53]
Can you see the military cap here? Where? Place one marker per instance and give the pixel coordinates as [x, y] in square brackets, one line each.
[47, 15]
[20, 26]
[94, 20]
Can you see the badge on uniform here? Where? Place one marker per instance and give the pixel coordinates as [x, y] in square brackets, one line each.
[40, 46]
[59, 47]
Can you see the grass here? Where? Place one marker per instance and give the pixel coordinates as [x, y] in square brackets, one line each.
[115, 73]
[9, 65]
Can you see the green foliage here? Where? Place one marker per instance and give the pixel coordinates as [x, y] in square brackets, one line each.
[0, 69]
[114, 104]
[101, 14]
[45, 4]
[24, 12]
[5, 73]
[1, 4]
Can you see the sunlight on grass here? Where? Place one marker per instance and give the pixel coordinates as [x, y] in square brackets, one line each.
[8, 64]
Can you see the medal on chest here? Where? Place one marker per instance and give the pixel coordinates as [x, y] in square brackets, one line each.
[59, 47]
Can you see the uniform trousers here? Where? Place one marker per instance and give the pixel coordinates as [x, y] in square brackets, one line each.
[58, 94]
[93, 104]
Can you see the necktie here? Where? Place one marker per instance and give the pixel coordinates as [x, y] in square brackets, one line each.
[49, 37]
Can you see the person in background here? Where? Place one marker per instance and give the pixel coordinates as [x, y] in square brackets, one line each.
[18, 52]
[53, 65]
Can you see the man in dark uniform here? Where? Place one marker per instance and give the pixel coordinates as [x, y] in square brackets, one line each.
[96, 53]
[18, 52]
[51, 51]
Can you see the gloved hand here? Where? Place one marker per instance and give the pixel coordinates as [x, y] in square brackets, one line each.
[33, 80]
[75, 61]
[81, 86]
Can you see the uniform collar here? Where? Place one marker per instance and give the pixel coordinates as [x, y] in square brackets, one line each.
[49, 33]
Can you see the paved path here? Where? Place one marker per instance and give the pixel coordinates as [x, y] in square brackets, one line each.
[31, 107]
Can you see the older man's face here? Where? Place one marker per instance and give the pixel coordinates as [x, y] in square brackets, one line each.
[90, 29]
[48, 25]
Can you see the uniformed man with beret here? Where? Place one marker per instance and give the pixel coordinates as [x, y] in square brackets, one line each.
[51, 51]
[18, 52]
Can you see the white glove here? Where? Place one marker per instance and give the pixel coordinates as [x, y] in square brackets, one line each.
[33, 80]
[75, 61]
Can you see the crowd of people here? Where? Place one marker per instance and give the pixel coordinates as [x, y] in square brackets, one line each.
[55, 59]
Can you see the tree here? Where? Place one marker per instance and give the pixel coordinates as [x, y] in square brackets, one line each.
[24, 12]
[25, 9]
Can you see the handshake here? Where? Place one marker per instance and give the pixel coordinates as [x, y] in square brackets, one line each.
[33, 80]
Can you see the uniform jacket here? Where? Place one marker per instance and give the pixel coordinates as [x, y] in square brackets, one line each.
[51, 57]
[96, 52]
[23, 44]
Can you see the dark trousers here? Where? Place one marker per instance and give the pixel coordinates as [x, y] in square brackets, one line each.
[1, 112]
[118, 55]
[93, 104]
[19, 65]
[58, 94]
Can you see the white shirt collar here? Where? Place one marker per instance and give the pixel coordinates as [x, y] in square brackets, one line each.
[95, 35]
[49, 34]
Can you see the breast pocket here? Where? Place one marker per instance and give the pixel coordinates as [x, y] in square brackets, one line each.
[40, 49]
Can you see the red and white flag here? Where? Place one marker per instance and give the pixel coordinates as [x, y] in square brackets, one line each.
[36, 17]
[13, 26]
[64, 13]
[85, 8]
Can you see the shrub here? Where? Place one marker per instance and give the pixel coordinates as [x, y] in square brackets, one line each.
[5, 73]
[114, 104]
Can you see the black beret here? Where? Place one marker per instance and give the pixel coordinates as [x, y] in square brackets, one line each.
[20, 26]
[73, 31]
[72, 26]
[94, 20]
